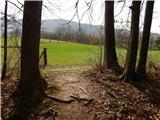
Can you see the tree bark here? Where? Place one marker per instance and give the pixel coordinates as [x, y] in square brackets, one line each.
[110, 56]
[4, 69]
[141, 69]
[31, 87]
[129, 72]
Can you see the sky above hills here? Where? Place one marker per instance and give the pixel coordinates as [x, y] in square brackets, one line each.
[65, 9]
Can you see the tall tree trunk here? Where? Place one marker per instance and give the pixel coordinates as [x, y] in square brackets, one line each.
[110, 57]
[129, 72]
[4, 69]
[141, 69]
[31, 87]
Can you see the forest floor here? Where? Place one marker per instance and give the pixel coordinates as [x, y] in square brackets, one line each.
[75, 94]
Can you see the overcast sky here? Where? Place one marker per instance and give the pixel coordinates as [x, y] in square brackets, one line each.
[65, 9]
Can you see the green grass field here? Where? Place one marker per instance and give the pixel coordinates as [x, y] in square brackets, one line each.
[74, 54]
[69, 54]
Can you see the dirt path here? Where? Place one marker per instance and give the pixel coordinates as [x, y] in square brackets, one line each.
[70, 87]
[66, 85]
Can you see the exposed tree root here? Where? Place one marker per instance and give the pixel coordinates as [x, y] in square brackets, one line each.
[60, 100]
[111, 94]
[48, 113]
[27, 97]
[128, 77]
[85, 100]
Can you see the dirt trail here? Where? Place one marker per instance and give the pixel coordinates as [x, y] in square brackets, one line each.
[70, 87]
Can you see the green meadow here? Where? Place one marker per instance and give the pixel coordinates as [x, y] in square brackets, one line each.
[62, 54]
[69, 54]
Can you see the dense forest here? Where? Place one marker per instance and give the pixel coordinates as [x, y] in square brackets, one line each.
[77, 71]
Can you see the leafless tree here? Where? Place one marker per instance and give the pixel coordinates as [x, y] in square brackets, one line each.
[129, 71]
[110, 56]
[141, 69]
[4, 69]
[31, 87]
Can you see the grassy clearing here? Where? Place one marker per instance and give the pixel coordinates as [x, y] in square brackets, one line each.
[63, 54]
[69, 54]
[154, 56]
[73, 54]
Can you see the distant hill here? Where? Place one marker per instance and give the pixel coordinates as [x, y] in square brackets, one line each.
[52, 25]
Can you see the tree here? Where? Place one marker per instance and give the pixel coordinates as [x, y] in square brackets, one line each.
[129, 71]
[4, 69]
[141, 69]
[110, 57]
[31, 87]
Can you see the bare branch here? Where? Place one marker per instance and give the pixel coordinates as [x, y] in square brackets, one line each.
[70, 19]
[15, 5]
[11, 17]
[124, 2]
[75, 6]
[51, 11]
[20, 3]
[89, 4]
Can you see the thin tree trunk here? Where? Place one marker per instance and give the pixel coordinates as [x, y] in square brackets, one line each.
[31, 87]
[129, 72]
[110, 56]
[4, 69]
[141, 69]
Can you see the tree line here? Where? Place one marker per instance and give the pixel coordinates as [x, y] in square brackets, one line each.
[70, 35]
[65, 34]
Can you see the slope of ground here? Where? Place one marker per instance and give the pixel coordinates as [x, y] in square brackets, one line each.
[92, 95]
[122, 101]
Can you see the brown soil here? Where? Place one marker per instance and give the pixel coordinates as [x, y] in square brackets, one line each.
[68, 86]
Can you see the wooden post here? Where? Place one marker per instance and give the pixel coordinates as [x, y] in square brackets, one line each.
[45, 56]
